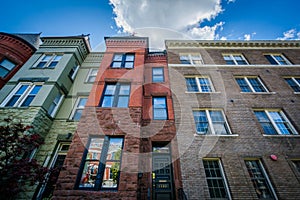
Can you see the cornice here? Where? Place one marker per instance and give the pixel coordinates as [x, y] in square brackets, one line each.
[128, 42]
[80, 43]
[178, 44]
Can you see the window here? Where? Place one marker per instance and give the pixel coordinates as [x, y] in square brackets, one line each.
[157, 74]
[296, 164]
[211, 122]
[116, 95]
[294, 82]
[92, 75]
[47, 187]
[74, 71]
[101, 164]
[198, 84]
[48, 61]
[79, 106]
[6, 66]
[215, 177]
[277, 59]
[193, 59]
[260, 180]
[251, 84]
[235, 59]
[55, 104]
[123, 61]
[160, 108]
[22, 95]
[274, 122]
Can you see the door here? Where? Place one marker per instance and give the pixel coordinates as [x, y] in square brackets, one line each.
[162, 180]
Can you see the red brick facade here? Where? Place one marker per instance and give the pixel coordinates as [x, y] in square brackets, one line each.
[135, 124]
[15, 50]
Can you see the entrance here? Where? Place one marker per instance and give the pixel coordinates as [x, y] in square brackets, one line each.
[162, 180]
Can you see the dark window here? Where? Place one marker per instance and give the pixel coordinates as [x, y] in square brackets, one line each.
[74, 71]
[198, 84]
[260, 181]
[160, 108]
[6, 66]
[79, 108]
[157, 74]
[277, 59]
[296, 164]
[123, 61]
[294, 82]
[48, 61]
[251, 84]
[116, 95]
[101, 164]
[216, 180]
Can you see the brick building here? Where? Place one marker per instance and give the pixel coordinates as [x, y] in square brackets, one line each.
[15, 50]
[125, 144]
[236, 106]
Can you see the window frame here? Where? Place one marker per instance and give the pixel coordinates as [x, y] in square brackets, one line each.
[76, 107]
[101, 167]
[210, 129]
[246, 78]
[273, 56]
[123, 61]
[233, 59]
[190, 60]
[23, 96]
[49, 62]
[56, 104]
[265, 176]
[162, 75]
[223, 177]
[273, 123]
[8, 71]
[91, 75]
[293, 78]
[199, 86]
[73, 72]
[165, 108]
[116, 96]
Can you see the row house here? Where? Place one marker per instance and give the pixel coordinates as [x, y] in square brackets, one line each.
[236, 106]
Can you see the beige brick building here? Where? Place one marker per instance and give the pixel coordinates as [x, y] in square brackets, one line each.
[236, 106]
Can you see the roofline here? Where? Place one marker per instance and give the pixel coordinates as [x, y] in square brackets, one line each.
[23, 40]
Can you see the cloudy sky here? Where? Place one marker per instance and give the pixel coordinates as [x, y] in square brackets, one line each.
[157, 19]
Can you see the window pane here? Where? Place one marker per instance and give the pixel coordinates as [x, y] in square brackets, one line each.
[115, 149]
[129, 57]
[243, 85]
[271, 60]
[116, 64]
[7, 64]
[13, 100]
[52, 64]
[293, 84]
[27, 101]
[124, 89]
[108, 101]
[205, 85]
[123, 102]
[77, 115]
[256, 85]
[201, 122]
[3, 72]
[47, 57]
[57, 58]
[118, 57]
[159, 102]
[82, 102]
[191, 85]
[110, 89]
[265, 122]
[111, 175]
[129, 65]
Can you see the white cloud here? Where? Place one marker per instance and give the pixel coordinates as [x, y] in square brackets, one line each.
[291, 34]
[247, 37]
[168, 17]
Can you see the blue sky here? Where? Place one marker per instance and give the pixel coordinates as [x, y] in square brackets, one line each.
[157, 19]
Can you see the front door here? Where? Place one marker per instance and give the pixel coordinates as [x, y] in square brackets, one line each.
[162, 180]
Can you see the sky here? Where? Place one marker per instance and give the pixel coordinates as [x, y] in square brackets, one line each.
[156, 19]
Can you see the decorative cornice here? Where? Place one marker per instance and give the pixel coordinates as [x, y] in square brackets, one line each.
[129, 42]
[79, 42]
[174, 44]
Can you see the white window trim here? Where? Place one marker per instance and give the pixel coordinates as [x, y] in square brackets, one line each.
[75, 107]
[294, 132]
[75, 71]
[233, 59]
[53, 113]
[199, 85]
[222, 174]
[90, 74]
[265, 176]
[23, 96]
[251, 87]
[282, 56]
[53, 55]
[190, 55]
[210, 123]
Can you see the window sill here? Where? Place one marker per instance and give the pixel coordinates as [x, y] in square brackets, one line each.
[209, 135]
[265, 135]
[202, 92]
[258, 92]
[296, 92]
